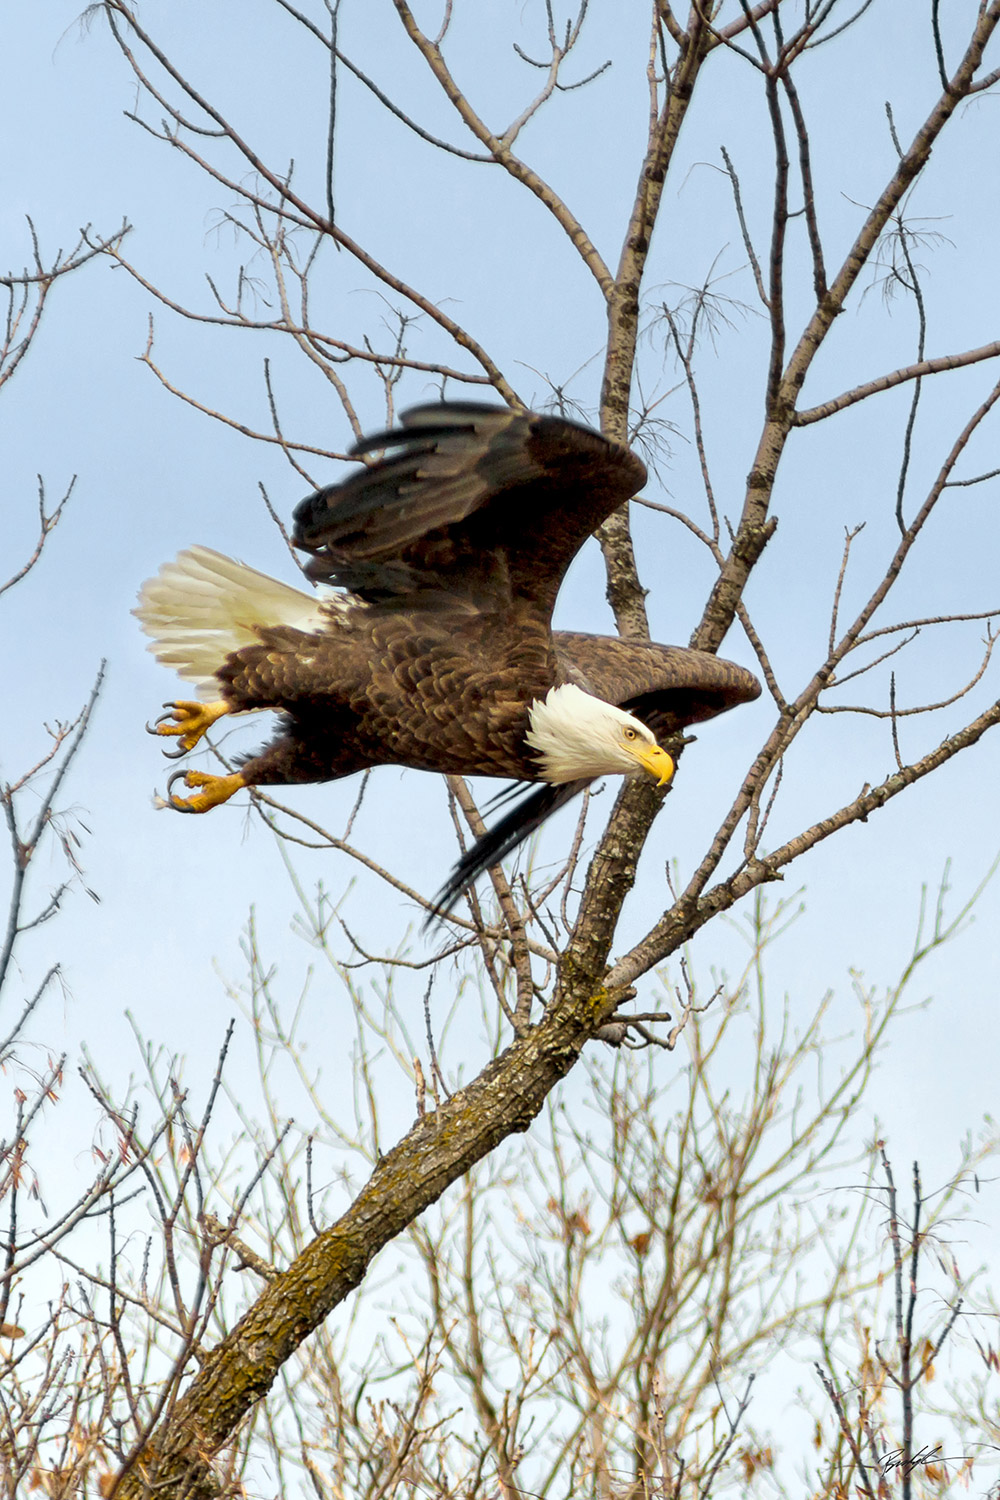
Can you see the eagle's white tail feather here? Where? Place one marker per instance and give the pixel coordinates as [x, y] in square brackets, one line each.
[203, 605]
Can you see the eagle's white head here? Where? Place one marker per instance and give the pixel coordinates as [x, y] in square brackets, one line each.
[578, 736]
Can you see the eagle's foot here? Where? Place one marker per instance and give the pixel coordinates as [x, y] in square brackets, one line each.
[188, 720]
[215, 790]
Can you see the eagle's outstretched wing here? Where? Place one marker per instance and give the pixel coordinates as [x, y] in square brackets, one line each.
[471, 501]
[667, 687]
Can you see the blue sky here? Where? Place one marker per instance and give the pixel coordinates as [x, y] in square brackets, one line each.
[154, 475]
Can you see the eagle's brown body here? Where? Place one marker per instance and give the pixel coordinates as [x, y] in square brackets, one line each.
[451, 549]
[364, 694]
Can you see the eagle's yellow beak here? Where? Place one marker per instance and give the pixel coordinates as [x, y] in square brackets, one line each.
[656, 761]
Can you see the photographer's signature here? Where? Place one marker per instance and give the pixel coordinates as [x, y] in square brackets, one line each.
[897, 1461]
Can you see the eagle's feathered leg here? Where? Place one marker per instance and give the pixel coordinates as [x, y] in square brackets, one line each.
[188, 720]
[215, 790]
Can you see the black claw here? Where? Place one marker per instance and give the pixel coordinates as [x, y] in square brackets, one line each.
[174, 777]
[168, 718]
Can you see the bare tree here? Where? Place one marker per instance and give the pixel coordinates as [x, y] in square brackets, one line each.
[591, 1312]
[544, 950]
[55, 1393]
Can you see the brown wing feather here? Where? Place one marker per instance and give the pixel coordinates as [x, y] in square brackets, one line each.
[668, 687]
[472, 500]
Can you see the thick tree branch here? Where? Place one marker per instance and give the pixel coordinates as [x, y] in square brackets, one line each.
[751, 535]
[693, 910]
[625, 593]
[916, 371]
[440, 1148]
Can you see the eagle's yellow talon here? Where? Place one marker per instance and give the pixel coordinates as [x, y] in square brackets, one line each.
[189, 721]
[215, 790]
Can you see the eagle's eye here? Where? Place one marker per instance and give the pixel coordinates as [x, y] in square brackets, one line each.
[630, 733]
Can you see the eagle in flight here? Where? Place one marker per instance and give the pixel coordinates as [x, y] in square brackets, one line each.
[438, 650]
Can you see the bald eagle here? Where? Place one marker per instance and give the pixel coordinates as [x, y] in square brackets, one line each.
[439, 652]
